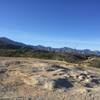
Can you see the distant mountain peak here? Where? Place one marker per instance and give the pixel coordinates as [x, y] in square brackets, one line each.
[4, 39]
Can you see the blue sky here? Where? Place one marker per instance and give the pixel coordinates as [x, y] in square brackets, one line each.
[56, 23]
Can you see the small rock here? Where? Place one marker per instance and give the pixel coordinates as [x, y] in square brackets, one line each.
[31, 81]
[74, 74]
[81, 78]
[87, 80]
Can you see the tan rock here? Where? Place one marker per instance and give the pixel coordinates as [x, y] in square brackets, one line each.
[31, 81]
[50, 85]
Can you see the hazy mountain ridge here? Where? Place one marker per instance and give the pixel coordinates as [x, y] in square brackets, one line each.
[6, 43]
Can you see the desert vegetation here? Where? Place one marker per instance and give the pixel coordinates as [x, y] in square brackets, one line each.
[69, 57]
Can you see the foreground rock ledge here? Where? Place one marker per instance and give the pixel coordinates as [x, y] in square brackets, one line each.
[32, 79]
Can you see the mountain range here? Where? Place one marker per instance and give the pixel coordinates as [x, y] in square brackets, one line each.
[6, 43]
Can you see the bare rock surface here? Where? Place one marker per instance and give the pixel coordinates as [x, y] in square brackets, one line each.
[34, 79]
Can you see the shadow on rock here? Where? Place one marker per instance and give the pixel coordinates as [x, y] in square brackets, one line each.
[56, 67]
[63, 83]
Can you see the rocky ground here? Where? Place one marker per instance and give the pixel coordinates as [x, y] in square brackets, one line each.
[34, 79]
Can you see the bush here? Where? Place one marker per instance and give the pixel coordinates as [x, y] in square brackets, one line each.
[69, 57]
[95, 63]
